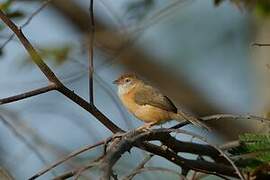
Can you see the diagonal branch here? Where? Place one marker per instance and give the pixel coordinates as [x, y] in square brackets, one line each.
[260, 44]
[28, 94]
[142, 164]
[71, 155]
[30, 49]
[53, 79]
[24, 140]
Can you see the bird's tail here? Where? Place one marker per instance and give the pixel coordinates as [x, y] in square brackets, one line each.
[180, 116]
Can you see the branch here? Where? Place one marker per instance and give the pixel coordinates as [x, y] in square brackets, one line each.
[53, 79]
[24, 140]
[37, 11]
[71, 155]
[72, 173]
[147, 169]
[91, 52]
[135, 171]
[90, 108]
[138, 139]
[28, 94]
[229, 145]
[113, 40]
[30, 49]
[260, 44]
[232, 116]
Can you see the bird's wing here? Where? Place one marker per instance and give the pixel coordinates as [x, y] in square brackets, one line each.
[151, 96]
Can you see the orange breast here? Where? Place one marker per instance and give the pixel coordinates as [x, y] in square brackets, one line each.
[146, 113]
[128, 101]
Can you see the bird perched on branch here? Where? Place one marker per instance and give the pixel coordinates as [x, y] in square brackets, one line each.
[149, 104]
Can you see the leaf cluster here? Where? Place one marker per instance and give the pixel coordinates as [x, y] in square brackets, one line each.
[253, 152]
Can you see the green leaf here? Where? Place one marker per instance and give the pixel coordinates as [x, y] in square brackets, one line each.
[254, 151]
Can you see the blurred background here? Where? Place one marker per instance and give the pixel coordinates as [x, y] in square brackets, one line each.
[199, 53]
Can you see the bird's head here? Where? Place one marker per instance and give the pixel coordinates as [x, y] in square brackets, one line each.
[126, 82]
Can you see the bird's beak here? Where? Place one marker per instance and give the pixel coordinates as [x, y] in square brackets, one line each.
[117, 81]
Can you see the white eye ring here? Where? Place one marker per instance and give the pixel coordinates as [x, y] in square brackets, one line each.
[127, 80]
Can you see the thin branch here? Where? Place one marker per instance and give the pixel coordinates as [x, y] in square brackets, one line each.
[87, 167]
[68, 157]
[27, 94]
[91, 52]
[229, 145]
[73, 172]
[232, 116]
[197, 165]
[133, 173]
[30, 49]
[90, 108]
[148, 169]
[193, 148]
[260, 44]
[180, 125]
[53, 79]
[214, 146]
[37, 11]
[24, 140]
[223, 116]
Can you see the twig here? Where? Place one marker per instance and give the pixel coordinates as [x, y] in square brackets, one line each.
[28, 94]
[260, 44]
[232, 116]
[37, 11]
[229, 145]
[147, 169]
[30, 49]
[91, 52]
[53, 79]
[90, 108]
[133, 173]
[82, 169]
[180, 125]
[24, 140]
[74, 172]
[71, 155]
[218, 149]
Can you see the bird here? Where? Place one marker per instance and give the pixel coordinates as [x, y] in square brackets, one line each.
[148, 104]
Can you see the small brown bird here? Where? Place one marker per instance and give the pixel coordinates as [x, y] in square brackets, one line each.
[149, 104]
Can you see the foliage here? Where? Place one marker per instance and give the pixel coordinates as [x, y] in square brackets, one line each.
[253, 152]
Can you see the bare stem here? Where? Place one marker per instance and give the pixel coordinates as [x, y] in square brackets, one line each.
[53, 79]
[30, 49]
[91, 52]
[68, 157]
[260, 44]
[27, 94]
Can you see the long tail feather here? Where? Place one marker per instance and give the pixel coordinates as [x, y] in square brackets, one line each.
[180, 116]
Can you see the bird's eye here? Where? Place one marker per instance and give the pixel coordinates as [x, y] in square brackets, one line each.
[127, 80]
